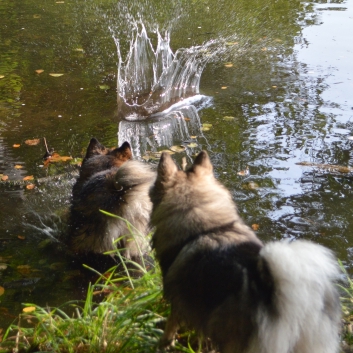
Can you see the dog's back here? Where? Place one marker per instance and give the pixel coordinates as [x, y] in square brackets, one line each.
[222, 281]
[123, 192]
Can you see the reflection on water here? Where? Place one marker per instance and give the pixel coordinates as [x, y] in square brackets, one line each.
[178, 124]
[275, 102]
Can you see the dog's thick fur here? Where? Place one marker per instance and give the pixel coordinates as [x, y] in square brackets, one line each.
[222, 281]
[99, 158]
[120, 186]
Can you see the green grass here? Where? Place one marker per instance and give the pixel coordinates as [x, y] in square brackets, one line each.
[122, 312]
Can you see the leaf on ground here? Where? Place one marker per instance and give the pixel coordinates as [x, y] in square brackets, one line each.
[29, 309]
[32, 142]
[177, 149]
[18, 166]
[2, 290]
[30, 186]
[192, 145]
[39, 71]
[28, 177]
[255, 227]
[4, 177]
[16, 145]
[55, 75]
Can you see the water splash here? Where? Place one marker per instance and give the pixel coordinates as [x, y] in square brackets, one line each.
[165, 129]
[151, 80]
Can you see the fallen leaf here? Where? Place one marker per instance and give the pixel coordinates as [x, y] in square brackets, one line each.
[224, 87]
[179, 148]
[206, 127]
[16, 145]
[55, 75]
[244, 172]
[78, 49]
[3, 266]
[231, 43]
[228, 118]
[2, 76]
[29, 309]
[4, 178]
[105, 87]
[22, 237]
[32, 142]
[39, 71]
[30, 186]
[192, 145]
[274, 86]
[228, 65]
[167, 151]
[57, 158]
[2, 290]
[36, 16]
[18, 166]
[28, 177]
[255, 227]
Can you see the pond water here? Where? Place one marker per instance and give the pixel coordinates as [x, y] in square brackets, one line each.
[280, 93]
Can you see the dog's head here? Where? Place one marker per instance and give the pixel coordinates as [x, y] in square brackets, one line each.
[190, 201]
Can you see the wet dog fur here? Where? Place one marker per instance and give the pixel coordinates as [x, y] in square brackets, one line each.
[99, 158]
[109, 180]
[222, 281]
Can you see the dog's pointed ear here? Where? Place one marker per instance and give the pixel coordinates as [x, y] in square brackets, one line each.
[124, 151]
[94, 148]
[166, 167]
[203, 160]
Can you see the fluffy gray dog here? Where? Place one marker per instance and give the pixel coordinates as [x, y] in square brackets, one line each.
[222, 281]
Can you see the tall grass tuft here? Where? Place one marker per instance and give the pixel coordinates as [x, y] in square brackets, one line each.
[122, 312]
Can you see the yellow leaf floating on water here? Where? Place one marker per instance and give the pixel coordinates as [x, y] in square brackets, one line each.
[21, 237]
[30, 186]
[177, 149]
[39, 71]
[28, 177]
[29, 309]
[32, 142]
[18, 166]
[78, 49]
[244, 172]
[206, 127]
[16, 145]
[255, 227]
[228, 65]
[2, 290]
[228, 118]
[192, 145]
[55, 75]
[2, 76]
[224, 87]
[4, 178]
[104, 87]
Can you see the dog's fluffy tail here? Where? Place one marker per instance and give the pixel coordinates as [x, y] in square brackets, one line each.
[307, 308]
